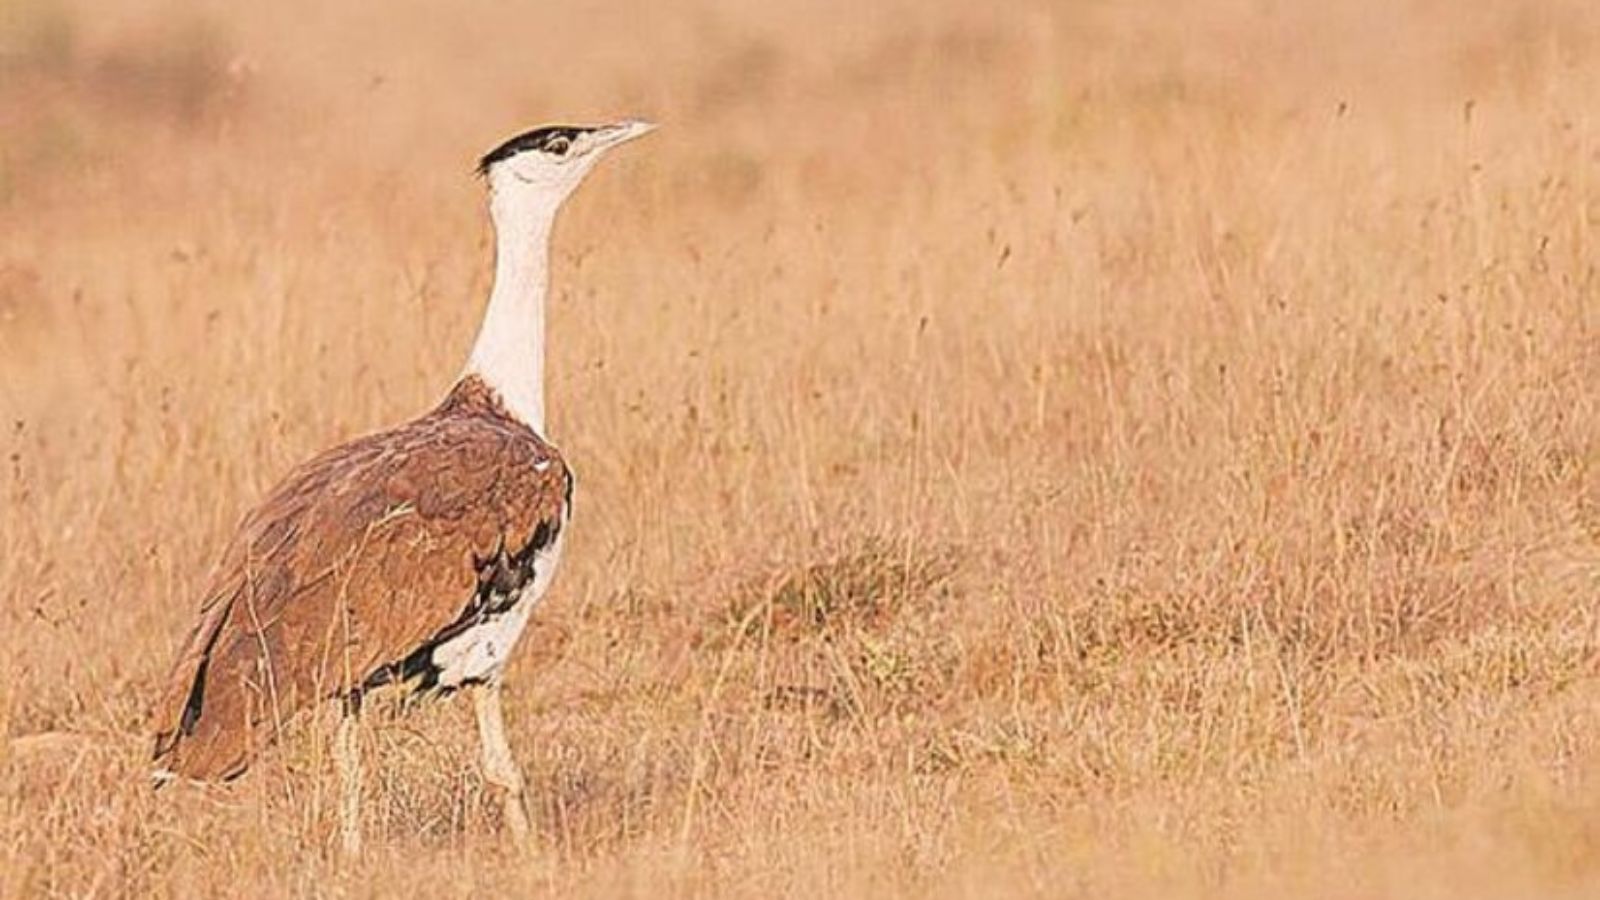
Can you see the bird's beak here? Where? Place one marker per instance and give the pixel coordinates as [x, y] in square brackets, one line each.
[621, 133]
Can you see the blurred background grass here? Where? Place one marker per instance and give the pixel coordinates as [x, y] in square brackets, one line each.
[1090, 448]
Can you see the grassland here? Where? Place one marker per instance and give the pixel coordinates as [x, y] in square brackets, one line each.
[1104, 450]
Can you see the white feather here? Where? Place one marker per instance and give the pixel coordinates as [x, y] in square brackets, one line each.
[480, 652]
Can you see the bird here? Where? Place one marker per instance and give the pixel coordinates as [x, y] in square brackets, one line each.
[411, 557]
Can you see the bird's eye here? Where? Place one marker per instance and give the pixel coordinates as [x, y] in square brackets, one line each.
[558, 146]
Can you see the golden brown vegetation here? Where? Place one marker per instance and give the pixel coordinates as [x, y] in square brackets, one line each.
[1135, 449]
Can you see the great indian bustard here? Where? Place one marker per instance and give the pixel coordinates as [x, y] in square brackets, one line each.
[412, 556]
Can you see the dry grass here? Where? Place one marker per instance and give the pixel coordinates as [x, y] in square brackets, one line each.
[1134, 449]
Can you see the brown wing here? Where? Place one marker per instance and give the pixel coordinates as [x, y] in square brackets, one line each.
[355, 560]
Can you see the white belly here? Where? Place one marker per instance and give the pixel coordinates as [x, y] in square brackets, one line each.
[481, 651]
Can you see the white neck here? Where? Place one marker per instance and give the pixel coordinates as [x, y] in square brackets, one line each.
[509, 352]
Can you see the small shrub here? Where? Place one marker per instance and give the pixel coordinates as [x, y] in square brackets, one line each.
[860, 588]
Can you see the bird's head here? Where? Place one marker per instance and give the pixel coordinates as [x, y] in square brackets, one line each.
[544, 165]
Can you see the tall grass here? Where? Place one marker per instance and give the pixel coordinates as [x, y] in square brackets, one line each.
[1083, 449]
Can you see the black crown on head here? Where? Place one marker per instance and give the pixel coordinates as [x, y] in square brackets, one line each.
[537, 139]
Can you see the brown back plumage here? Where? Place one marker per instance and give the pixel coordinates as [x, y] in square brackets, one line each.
[355, 560]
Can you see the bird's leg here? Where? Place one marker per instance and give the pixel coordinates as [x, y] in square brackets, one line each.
[347, 758]
[499, 767]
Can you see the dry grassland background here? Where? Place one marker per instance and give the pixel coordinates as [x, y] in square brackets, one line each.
[1097, 449]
